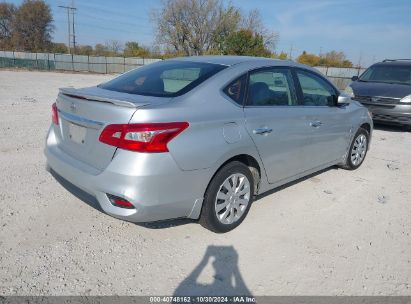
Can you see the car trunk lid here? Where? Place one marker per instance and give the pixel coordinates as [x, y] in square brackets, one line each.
[83, 114]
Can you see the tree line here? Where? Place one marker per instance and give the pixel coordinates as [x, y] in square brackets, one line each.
[111, 48]
[333, 58]
[182, 28]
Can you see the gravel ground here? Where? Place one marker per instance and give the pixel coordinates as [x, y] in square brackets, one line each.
[336, 233]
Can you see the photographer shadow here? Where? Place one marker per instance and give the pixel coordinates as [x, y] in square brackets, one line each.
[227, 279]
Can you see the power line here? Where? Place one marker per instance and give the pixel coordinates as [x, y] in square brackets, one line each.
[105, 20]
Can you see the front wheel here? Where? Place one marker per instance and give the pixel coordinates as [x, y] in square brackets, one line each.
[358, 150]
[228, 198]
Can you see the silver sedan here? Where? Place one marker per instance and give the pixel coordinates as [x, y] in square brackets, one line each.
[200, 137]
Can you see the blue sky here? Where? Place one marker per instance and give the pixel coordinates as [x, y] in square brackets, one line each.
[366, 30]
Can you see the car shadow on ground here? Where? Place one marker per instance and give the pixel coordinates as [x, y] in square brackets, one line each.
[77, 192]
[290, 184]
[164, 224]
[391, 127]
[227, 279]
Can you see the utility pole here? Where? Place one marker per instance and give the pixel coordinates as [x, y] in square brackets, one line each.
[360, 60]
[359, 64]
[71, 37]
[74, 33]
[68, 27]
[291, 51]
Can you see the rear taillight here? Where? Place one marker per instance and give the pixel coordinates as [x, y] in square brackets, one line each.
[144, 137]
[54, 114]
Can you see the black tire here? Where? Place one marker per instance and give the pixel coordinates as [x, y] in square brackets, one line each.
[208, 218]
[349, 165]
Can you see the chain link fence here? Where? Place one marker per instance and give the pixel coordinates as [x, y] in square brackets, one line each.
[67, 62]
[341, 77]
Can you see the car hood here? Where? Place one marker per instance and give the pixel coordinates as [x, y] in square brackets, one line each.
[379, 89]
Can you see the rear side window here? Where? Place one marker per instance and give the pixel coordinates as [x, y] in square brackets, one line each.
[235, 90]
[163, 79]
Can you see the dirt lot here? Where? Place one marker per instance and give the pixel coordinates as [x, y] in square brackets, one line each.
[336, 233]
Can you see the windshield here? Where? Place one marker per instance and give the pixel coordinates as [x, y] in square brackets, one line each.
[163, 79]
[388, 73]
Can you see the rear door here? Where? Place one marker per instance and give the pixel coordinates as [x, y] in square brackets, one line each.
[329, 124]
[275, 122]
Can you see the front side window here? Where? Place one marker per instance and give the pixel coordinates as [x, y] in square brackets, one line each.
[316, 91]
[271, 87]
[163, 79]
[388, 73]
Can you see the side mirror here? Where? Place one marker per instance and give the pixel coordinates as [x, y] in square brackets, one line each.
[354, 78]
[343, 99]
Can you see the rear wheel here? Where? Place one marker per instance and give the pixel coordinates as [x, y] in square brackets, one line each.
[228, 198]
[358, 150]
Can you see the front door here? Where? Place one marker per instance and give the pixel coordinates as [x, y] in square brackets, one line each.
[329, 124]
[274, 122]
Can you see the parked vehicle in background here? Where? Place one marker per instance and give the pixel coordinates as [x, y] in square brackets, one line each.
[199, 137]
[385, 89]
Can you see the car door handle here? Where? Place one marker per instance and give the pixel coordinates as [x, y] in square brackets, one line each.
[262, 131]
[316, 124]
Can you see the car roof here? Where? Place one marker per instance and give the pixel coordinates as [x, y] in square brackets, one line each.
[233, 60]
[398, 62]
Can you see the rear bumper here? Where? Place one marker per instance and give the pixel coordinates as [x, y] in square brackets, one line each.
[398, 114]
[153, 183]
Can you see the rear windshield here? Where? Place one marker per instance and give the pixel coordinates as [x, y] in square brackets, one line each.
[388, 73]
[163, 79]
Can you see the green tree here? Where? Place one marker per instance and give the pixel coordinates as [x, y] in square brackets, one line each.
[309, 59]
[133, 49]
[58, 48]
[84, 50]
[188, 25]
[113, 47]
[246, 43]
[100, 50]
[331, 59]
[335, 59]
[167, 54]
[283, 55]
[230, 20]
[347, 64]
[32, 26]
[254, 23]
[7, 13]
[197, 27]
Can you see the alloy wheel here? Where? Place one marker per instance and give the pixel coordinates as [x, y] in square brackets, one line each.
[359, 150]
[232, 198]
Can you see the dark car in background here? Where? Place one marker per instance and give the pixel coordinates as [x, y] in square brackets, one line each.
[385, 89]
